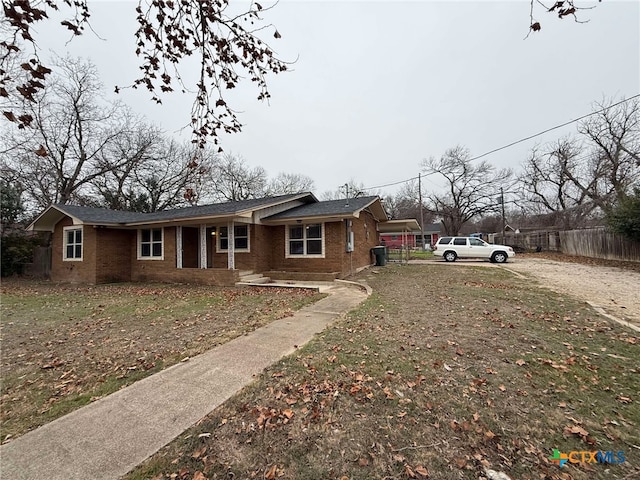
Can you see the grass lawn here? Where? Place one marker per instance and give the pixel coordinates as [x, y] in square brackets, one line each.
[65, 346]
[400, 255]
[444, 372]
[420, 254]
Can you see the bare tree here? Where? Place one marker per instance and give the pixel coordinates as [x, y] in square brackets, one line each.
[406, 204]
[546, 182]
[471, 189]
[162, 174]
[227, 43]
[228, 177]
[613, 138]
[115, 189]
[72, 129]
[351, 189]
[231, 179]
[578, 177]
[175, 176]
[286, 183]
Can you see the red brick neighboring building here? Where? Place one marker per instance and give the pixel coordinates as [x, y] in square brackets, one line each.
[287, 236]
[406, 233]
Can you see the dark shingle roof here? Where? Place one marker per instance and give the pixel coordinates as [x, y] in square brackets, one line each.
[330, 208]
[105, 216]
[99, 215]
[228, 208]
[433, 227]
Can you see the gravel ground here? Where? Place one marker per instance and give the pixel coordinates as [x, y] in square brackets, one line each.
[615, 289]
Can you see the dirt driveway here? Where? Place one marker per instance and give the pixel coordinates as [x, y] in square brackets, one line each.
[614, 289]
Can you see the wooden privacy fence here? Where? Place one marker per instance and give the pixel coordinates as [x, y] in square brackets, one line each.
[529, 241]
[598, 243]
[41, 265]
[588, 242]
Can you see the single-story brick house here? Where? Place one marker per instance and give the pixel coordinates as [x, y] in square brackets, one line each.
[289, 236]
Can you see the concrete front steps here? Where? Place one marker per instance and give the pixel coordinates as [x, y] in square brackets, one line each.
[249, 278]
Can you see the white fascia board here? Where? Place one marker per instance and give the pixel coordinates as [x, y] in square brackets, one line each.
[47, 220]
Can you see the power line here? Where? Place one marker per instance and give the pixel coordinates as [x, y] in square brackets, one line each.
[517, 141]
[554, 128]
[391, 184]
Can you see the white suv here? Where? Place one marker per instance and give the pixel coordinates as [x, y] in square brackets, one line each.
[452, 248]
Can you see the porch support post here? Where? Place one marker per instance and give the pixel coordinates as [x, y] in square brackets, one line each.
[231, 256]
[178, 246]
[406, 242]
[203, 246]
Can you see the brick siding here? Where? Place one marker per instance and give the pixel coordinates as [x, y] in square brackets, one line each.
[154, 270]
[110, 255]
[113, 255]
[259, 257]
[336, 258]
[366, 237]
[73, 271]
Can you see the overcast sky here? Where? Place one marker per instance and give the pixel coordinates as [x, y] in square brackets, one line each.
[378, 86]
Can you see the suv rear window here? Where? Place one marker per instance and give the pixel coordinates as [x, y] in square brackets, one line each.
[444, 240]
[459, 241]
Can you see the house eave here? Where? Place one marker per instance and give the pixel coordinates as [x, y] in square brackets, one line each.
[376, 209]
[400, 225]
[47, 220]
[310, 219]
[197, 220]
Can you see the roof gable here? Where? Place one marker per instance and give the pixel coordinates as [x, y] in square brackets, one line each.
[344, 208]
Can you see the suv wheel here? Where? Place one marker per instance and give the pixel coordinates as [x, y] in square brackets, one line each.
[499, 257]
[450, 256]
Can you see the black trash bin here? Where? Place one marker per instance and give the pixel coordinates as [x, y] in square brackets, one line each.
[380, 253]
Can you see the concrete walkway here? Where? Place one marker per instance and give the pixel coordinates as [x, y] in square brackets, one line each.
[109, 437]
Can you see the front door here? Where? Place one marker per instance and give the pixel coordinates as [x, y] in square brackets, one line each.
[190, 247]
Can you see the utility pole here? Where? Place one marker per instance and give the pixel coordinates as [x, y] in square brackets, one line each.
[504, 222]
[421, 215]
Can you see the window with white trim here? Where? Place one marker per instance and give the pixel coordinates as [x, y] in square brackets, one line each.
[72, 244]
[305, 240]
[240, 238]
[150, 244]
